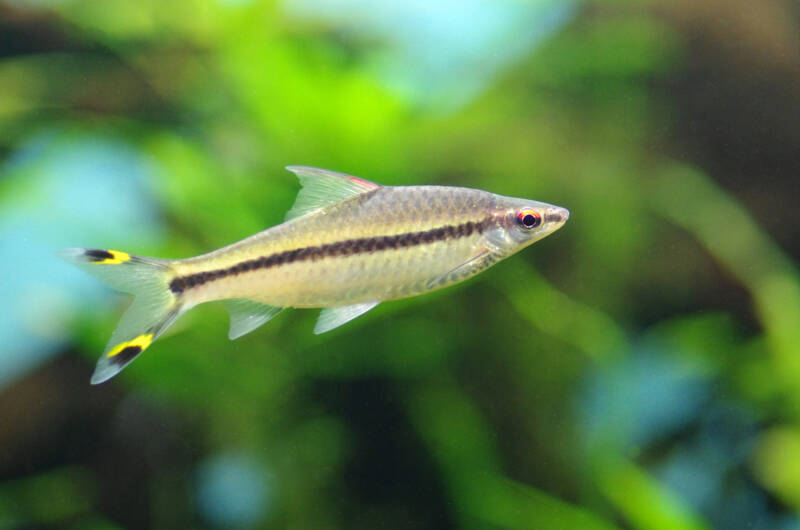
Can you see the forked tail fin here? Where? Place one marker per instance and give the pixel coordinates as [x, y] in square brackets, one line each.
[153, 310]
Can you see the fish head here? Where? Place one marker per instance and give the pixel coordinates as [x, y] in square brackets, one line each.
[522, 222]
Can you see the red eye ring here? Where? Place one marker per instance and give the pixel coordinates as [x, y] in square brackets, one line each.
[528, 219]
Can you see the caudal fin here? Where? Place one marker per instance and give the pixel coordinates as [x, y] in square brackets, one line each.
[153, 310]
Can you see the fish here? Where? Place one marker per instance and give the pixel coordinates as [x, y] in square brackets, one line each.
[345, 246]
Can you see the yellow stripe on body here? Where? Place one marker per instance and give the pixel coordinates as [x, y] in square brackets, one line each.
[141, 342]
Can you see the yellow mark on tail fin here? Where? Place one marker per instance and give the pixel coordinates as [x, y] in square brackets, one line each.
[108, 257]
[132, 347]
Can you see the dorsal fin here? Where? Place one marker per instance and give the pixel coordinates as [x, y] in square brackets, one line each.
[322, 188]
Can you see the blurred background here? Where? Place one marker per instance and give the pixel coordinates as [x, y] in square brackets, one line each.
[638, 369]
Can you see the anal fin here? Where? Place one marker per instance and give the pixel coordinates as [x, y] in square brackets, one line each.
[247, 315]
[333, 317]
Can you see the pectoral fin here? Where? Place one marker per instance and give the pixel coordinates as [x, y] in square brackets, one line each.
[333, 317]
[247, 315]
[482, 259]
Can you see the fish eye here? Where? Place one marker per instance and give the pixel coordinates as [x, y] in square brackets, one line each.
[528, 219]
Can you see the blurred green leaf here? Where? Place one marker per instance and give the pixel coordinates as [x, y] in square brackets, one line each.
[587, 329]
[689, 199]
[777, 463]
[645, 503]
[51, 497]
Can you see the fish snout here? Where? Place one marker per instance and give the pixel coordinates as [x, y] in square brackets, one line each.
[557, 215]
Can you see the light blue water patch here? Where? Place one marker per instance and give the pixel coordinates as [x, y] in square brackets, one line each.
[709, 481]
[61, 191]
[662, 395]
[640, 399]
[697, 474]
[233, 490]
[707, 467]
[442, 53]
[785, 522]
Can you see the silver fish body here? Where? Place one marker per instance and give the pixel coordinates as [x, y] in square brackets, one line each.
[347, 245]
[389, 243]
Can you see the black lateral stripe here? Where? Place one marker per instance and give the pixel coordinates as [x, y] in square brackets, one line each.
[348, 247]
